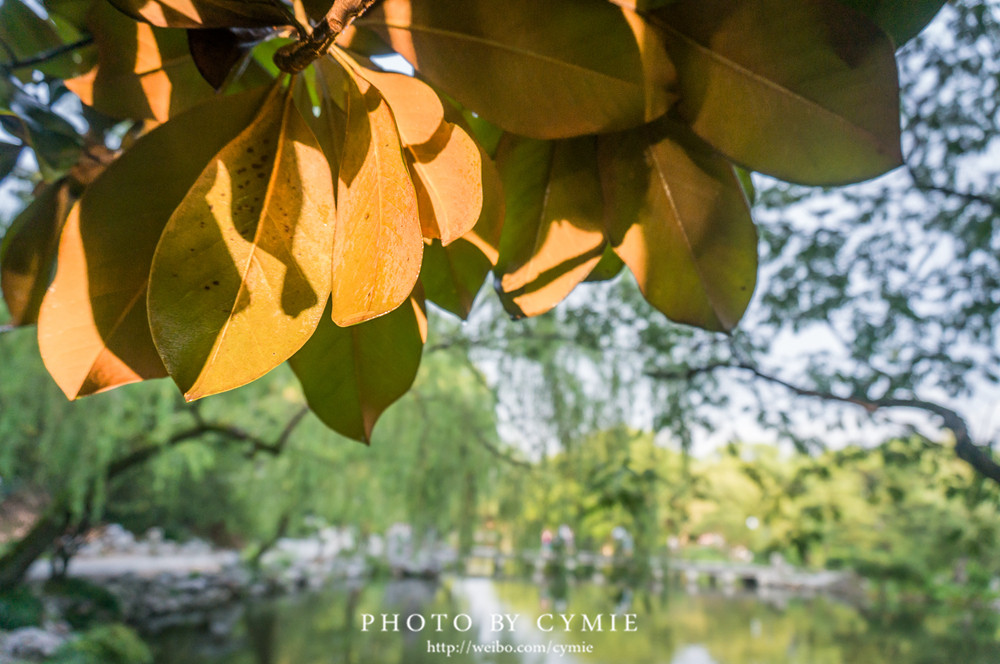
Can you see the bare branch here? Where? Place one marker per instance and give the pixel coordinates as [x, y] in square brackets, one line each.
[965, 448]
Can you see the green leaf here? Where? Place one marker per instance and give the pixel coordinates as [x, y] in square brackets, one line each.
[377, 246]
[207, 13]
[901, 19]
[574, 67]
[9, 154]
[811, 97]
[678, 218]
[242, 272]
[93, 331]
[609, 267]
[28, 252]
[142, 72]
[54, 141]
[23, 32]
[350, 375]
[553, 234]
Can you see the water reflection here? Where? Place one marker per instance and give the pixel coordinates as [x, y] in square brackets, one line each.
[677, 628]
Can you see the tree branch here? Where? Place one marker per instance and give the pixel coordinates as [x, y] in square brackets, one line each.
[925, 185]
[203, 428]
[46, 56]
[293, 58]
[965, 448]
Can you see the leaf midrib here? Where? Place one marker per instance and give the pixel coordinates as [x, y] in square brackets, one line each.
[764, 81]
[675, 216]
[531, 55]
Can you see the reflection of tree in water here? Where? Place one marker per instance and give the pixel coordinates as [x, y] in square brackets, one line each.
[262, 632]
[412, 597]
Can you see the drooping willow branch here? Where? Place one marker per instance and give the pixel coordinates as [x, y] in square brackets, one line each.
[965, 448]
[293, 58]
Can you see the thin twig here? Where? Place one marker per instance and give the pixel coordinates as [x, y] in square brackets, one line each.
[45, 56]
[921, 183]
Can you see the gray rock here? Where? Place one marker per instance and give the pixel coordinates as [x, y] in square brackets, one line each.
[31, 643]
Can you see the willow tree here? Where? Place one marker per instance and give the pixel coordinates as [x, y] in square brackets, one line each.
[222, 186]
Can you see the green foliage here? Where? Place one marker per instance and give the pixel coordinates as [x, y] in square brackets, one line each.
[81, 603]
[20, 607]
[106, 644]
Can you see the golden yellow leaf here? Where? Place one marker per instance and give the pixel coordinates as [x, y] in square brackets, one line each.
[93, 331]
[242, 272]
[442, 157]
[377, 246]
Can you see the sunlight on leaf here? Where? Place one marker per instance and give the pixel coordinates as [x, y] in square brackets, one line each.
[242, 272]
[442, 157]
[377, 246]
[553, 234]
[93, 331]
[142, 72]
[573, 68]
[206, 13]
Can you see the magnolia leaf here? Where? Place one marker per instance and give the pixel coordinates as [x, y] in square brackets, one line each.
[363, 41]
[28, 252]
[443, 158]
[216, 51]
[573, 68]
[377, 246]
[553, 232]
[900, 19]
[207, 13]
[24, 33]
[641, 5]
[142, 72]
[609, 267]
[810, 98]
[9, 154]
[350, 375]
[677, 216]
[54, 141]
[330, 126]
[93, 331]
[452, 276]
[242, 272]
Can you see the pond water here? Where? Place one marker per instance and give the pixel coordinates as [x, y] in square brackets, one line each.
[666, 628]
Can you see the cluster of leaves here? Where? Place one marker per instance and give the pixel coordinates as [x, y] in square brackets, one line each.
[211, 235]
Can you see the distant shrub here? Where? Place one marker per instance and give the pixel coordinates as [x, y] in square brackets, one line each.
[83, 604]
[106, 644]
[19, 608]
